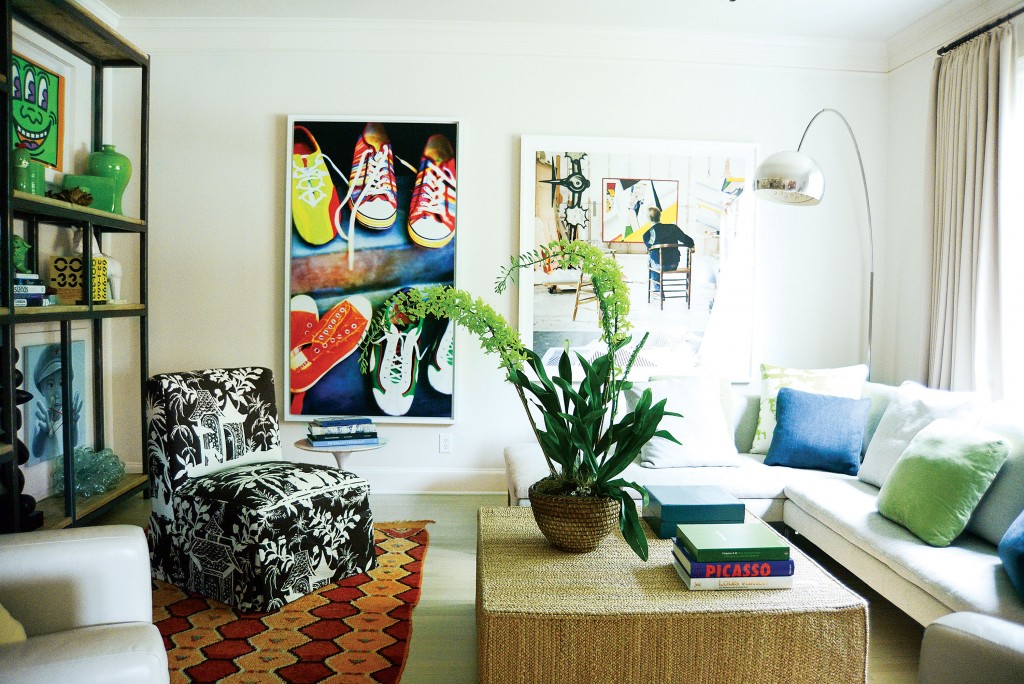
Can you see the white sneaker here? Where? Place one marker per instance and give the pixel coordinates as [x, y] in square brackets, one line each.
[394, 361]
[439, 370]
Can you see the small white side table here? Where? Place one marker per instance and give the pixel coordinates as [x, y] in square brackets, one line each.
[341, 454]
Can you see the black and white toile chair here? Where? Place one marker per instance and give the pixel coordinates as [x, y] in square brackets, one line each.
[233, 520]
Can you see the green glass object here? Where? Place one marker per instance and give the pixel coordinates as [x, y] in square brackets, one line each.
[37, 178]
[101, 189]
[95, 472]
[110, 163]
[20, 159]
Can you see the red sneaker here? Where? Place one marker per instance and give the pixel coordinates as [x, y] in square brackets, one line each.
[339, 333]
[432, 212]
[303, 320]
[373, 189]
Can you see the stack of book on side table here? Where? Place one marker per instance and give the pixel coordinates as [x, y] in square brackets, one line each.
[747, 555]
[342, 432]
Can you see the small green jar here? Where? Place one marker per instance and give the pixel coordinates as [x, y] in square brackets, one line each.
[20, 159]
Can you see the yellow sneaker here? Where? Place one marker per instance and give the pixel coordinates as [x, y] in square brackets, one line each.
[314, 198]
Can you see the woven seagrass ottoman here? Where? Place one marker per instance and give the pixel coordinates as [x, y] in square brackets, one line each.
[544, 615]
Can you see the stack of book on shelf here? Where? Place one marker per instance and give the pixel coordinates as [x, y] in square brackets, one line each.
[746, 555]
[342, 432]
[29, 290]
[669, 505]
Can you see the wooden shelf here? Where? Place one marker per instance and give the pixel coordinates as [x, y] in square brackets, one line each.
[31, 314]
[55, 209]
[91, 37]
[53, 506]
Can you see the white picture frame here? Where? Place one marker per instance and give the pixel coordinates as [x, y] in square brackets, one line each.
[370, 264]
[553, 206]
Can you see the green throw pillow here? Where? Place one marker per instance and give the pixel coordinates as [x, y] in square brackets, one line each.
[935, 485]
[11, 630]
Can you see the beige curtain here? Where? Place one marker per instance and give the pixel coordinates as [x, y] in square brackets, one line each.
[973, 97]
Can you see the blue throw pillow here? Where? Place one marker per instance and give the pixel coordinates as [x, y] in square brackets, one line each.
[1011, 552]
[818, 431]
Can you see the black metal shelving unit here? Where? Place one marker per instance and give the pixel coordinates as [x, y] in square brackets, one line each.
[83, 35]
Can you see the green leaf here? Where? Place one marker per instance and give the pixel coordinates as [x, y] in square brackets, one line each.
[629, 520]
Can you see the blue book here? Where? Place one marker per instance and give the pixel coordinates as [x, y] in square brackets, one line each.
[670, 505]
[361, 441]
[732, 568]
[335, 422]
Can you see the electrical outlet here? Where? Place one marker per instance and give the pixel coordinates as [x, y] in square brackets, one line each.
[444, 443]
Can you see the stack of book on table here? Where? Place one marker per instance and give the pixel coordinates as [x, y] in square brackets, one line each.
[342, 432]
[747, 555]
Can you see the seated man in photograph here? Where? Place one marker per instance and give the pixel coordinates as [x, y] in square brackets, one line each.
[661, 234]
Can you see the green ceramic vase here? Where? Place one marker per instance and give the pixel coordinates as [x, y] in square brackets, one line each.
[110, 163]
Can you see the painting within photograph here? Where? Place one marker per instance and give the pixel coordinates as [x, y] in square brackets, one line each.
[626, 205]
[370, 211]
[44, 414]
[37, 111]
[626, 195]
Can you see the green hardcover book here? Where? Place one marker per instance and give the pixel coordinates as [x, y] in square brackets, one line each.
[711, 542]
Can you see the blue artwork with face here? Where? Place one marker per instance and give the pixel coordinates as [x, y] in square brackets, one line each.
[45, 413]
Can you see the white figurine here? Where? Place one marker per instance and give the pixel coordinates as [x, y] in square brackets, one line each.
[114, 269]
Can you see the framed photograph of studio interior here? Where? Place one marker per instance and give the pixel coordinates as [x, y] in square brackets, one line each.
[370, 210]
[623, 194]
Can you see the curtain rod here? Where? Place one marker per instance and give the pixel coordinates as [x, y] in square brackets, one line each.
[977, 32]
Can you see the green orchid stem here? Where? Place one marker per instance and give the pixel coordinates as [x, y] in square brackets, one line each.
[586, 445]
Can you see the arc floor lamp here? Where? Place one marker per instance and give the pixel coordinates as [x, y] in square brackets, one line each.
[795, 178]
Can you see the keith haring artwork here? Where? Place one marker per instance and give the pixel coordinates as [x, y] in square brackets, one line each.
[37, 111]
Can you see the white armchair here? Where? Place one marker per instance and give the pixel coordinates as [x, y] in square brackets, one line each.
[85, 599]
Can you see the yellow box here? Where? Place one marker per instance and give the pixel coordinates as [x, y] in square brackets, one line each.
[67, 276]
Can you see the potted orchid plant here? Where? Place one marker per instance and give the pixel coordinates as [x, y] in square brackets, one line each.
[586, 441]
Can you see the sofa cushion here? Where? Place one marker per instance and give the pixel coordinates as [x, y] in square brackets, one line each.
[818, 431]
[1011, 553]
[1002, 502]
[704, 435]
[847, 506]
[939, 480]
[911, 409]
[840, 382]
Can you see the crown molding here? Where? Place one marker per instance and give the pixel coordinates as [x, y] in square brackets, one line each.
[478, 39]
[943, 26]
[99, 10]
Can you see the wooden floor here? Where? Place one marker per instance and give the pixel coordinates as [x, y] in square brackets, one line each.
[444, 624]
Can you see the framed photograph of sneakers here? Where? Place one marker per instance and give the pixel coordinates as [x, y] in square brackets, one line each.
[626, 195]
[370, 209]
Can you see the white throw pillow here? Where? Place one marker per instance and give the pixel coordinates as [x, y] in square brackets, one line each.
[1004, 500]
[839, 382]
[912, 409]
[702, 429]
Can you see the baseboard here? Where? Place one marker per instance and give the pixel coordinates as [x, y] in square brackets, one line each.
[434, 480]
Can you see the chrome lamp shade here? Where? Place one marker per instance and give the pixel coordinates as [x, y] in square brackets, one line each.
[789, 178]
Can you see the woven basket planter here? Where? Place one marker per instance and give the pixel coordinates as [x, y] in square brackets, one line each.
[574, 523]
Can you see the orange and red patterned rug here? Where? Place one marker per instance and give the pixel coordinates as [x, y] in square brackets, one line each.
[355, 631]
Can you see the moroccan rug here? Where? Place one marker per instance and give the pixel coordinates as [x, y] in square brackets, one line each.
[353, 632]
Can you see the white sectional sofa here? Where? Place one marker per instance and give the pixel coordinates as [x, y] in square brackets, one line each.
[838, 514]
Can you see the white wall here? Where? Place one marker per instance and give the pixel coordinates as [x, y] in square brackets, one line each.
[220, 96]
